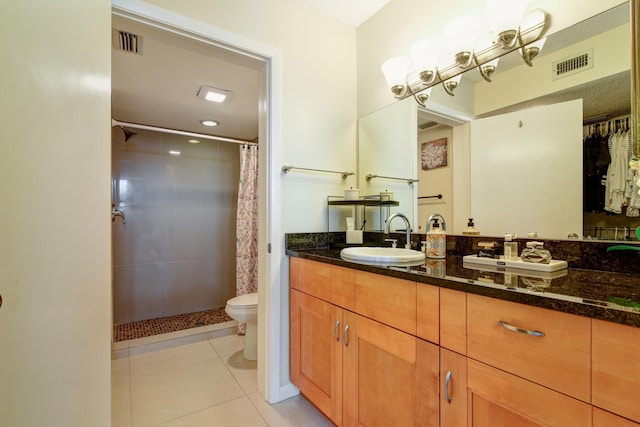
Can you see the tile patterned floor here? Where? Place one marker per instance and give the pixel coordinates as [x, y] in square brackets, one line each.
[146, 328]
[207, 383]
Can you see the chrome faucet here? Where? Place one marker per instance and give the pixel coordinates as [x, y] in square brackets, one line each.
[432, 217]
[407, 224]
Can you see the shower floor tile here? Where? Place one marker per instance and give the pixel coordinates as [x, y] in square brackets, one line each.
[163, 325]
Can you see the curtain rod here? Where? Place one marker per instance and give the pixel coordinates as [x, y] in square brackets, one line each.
[180, 132]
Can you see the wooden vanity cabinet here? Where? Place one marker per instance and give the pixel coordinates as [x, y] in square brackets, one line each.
[616, 369]
[354, 368]
[369, 350]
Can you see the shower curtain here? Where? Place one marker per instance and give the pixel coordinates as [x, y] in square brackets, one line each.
[247, 224]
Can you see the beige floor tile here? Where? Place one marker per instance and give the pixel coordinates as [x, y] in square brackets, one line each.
[293, 412]
[243, 370]
[120, 393]
[235, 413]
[226, 346]
[181, 391]
[171, 358]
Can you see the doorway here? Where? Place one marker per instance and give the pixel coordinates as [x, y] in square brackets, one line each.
[268, 131]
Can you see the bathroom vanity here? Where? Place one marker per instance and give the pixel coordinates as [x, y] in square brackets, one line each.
[380, 346]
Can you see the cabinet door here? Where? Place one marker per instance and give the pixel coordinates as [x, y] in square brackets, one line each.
[498, 399]
[616, 368]
[453, 391]
[316, 352]
[606, 419]
[391, 378]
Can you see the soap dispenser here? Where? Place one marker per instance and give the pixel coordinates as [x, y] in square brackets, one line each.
[471, 230]
[436, 241]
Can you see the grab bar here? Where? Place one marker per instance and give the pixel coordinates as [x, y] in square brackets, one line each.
[344, 174]
[410, 181]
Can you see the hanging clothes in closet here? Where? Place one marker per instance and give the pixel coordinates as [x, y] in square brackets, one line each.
[616, 184]
[596, 159]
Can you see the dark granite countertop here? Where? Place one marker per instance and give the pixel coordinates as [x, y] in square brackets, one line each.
[604, 295]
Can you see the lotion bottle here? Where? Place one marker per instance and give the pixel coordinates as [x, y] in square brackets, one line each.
[510, 247]
[436, 241]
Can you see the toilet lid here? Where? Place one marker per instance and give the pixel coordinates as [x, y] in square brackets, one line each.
[246, 300]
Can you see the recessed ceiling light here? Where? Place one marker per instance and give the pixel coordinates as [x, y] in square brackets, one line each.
[194, 141]
[209, 122]
[174, 153]
[214, 94]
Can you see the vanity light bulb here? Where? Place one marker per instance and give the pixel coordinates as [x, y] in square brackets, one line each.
[462, 33]
[424, 55]
[395, 72]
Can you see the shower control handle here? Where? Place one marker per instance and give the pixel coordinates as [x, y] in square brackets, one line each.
[117, 212]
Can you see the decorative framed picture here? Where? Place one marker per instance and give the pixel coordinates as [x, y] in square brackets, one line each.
[433, 154]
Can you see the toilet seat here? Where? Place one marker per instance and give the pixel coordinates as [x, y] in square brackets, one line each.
[244, 301]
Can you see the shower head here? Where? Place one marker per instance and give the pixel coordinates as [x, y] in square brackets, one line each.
[127, 133]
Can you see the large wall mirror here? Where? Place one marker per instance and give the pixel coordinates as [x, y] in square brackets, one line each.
[606, 94]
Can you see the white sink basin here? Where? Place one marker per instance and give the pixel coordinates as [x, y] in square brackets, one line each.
[377, 255]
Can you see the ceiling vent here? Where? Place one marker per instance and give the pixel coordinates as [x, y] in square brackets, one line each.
[127, 42]
[573, 64]
[427, 125]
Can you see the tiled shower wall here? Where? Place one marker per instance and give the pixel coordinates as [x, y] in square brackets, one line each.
[176, 252]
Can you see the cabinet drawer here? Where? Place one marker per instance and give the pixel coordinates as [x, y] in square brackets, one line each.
[343, 287]
[311, 277]
[428, 312]
[560, 359]
[616, 368]
[387, 300]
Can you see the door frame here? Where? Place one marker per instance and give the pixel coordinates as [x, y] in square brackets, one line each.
[269, 302]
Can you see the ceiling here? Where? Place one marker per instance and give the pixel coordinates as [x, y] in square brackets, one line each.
[159, 86]
[351, 12]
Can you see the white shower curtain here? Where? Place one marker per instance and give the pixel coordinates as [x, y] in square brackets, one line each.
[247, 224]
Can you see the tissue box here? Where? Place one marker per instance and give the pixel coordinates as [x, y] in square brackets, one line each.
[354, 236]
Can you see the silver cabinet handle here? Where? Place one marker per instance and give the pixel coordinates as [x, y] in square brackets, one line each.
[345, 336]
[520, 330]
[336, 334]
[447, 382]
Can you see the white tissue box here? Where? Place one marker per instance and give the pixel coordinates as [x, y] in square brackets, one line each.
[354, 236]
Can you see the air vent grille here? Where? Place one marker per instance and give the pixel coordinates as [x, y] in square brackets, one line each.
[127, 42]
[573, 64]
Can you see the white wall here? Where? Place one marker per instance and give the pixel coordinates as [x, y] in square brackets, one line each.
[55, 319]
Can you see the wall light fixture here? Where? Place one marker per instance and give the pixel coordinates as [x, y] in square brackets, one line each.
[474, 42]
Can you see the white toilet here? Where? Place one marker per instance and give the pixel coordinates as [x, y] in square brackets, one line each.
[244, 309]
